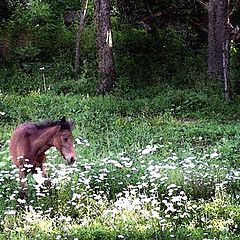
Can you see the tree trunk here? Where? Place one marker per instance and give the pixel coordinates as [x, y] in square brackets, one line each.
[104, 47]
[219, 43]
[82, 18]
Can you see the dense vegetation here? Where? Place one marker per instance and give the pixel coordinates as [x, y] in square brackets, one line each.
[158, 158]
[159, 167]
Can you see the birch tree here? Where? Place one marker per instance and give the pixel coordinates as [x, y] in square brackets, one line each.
[81, 18]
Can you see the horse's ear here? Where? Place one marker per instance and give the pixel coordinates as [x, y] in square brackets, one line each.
[71, 125]
[66, 124]
[63, 119]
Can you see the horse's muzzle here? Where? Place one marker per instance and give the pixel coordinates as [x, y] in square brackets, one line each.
[69, 156]
[71, 160]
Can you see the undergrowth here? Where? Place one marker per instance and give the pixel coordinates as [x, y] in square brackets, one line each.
[160, 167]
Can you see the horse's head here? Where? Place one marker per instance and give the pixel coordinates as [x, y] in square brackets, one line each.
[63, 140]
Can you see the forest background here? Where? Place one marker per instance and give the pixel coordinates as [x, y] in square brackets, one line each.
[153, 42]
[153, 87]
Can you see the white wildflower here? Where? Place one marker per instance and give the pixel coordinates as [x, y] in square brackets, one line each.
[172, 186]
[214, 155]
[10, 212]
[21, 200]
[149, 149]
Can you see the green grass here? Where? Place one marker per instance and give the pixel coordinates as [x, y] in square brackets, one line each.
[164, 166]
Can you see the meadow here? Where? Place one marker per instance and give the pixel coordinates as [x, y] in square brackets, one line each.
[157, 166]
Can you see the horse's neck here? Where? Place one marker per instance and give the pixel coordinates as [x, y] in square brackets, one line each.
[44, 140]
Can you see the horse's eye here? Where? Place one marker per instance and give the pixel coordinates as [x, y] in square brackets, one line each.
[65, 139]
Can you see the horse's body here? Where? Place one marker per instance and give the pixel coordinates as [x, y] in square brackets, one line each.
[30, 141]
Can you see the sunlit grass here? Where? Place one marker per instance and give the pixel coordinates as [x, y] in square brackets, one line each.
[136, 177]
[126, 193]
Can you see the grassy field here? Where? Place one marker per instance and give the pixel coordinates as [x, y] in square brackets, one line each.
[162, 166]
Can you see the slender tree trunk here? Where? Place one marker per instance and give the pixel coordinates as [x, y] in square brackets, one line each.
[219, 43]
[226, 79]
[106, 69]
[97, 20]
[82, 18]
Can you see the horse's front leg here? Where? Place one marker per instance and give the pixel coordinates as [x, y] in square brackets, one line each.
[41, 163]
[23, 182]
[47, 181]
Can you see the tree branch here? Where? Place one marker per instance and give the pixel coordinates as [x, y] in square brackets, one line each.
[203, 4]
[234, 8]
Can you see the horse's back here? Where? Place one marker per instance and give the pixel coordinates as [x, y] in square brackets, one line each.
[19, 142]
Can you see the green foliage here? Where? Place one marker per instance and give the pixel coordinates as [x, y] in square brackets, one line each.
[164, 58]
[35, 31]
[147, 168]
[156, 159]
[37, 37]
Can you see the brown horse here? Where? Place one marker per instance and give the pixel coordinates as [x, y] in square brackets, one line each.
[30, 141]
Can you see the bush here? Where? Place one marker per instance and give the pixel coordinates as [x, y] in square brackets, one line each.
[36, 32]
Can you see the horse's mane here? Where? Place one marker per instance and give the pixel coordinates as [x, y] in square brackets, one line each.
[65, 125]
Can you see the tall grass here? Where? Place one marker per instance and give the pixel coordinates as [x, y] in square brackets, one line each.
[147, 168]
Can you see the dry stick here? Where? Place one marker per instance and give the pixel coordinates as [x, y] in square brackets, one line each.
[82, 18]
[44, 82]
[42, 69]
